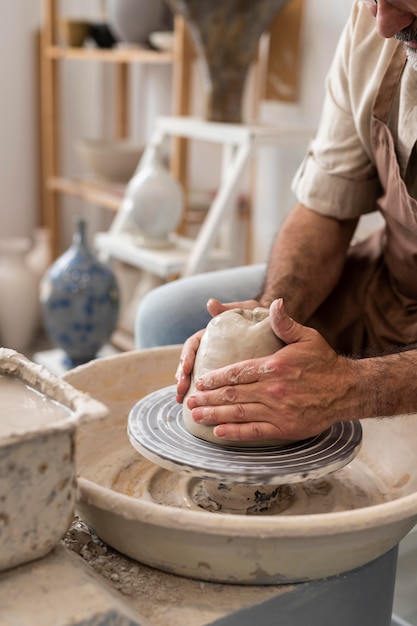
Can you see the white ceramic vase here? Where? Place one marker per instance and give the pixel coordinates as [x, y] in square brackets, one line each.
[19, 295]
[39, 257]
[133, 20]
[153, 202]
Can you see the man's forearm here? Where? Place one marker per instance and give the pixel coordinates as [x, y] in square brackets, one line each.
[306, 261]
[388, 383]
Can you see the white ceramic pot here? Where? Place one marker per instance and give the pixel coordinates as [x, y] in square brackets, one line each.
[109, 159]
[37, 457]
[132, 21]
[19, 301]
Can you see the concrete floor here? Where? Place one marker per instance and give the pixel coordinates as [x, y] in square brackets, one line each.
[405, 599]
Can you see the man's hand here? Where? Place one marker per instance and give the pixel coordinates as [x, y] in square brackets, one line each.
[186, 364]
[295, 393]
[190, 347]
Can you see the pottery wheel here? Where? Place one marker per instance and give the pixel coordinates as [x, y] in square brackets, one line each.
[156, 429]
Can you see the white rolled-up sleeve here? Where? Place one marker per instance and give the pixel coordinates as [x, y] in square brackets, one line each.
[337, 176]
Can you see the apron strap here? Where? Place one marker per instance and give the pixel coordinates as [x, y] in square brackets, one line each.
[389, 83]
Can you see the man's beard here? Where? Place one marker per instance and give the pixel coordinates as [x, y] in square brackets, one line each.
[409, 35]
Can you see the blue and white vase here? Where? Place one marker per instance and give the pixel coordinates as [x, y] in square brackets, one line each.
[79, 298]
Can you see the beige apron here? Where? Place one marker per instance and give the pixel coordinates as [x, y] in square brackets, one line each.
[374, 306]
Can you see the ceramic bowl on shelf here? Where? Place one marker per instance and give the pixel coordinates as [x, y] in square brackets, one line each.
[72, 32]
[162, 40]
[133, 20]
[110, 160]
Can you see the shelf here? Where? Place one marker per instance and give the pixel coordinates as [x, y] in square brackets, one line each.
[237, 134]
[167, 262]
[111, 55]
[107, 195]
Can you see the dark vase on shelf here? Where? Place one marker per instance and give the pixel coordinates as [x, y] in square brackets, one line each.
[226, 35]
[79, 300]
[102, 35]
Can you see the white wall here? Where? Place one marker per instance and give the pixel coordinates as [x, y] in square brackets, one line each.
[84, 89]
[18, 118]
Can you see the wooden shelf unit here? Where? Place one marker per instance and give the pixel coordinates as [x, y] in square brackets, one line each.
[102, 194]
[54, 183]
[213, 243]
[111, 55]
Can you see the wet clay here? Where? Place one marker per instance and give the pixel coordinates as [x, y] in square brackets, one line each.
[351, 488]
[233, 336]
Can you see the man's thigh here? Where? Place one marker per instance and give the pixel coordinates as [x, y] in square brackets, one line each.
[169, 314]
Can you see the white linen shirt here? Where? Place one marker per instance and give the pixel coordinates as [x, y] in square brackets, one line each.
[337, 176]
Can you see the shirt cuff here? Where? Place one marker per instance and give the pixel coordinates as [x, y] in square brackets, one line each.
[334, 195]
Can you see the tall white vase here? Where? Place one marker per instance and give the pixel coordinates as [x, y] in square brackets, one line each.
[38, 259]
[18, 295]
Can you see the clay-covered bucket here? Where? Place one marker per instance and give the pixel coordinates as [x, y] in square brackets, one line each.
[38, 424]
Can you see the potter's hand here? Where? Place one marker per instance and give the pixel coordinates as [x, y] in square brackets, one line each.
[295, 393]
[186, 364]
[190, 347]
